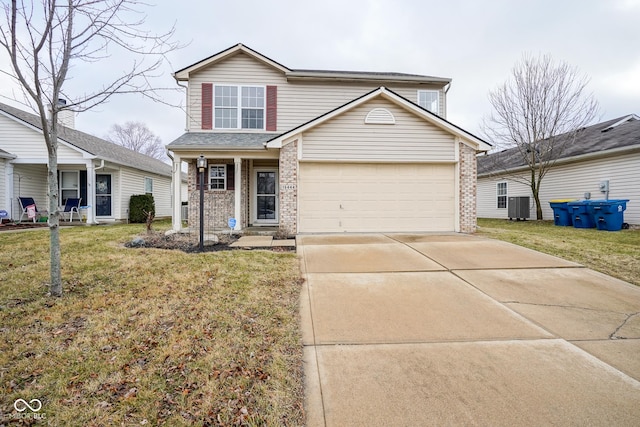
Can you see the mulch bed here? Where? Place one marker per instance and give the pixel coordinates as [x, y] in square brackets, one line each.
[178, 241]
[11, 226]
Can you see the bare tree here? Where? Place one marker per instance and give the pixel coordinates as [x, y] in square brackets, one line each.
[44, 38]
[537, 113]
[138, 137]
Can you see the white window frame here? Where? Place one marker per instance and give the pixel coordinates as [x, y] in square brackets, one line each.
[239, 107]
[499, 194]
[223, 178]
[62, 189]
[437, 100]
[148, 185]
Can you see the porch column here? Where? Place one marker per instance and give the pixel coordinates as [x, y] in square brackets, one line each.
[8, 179]
[91, 193]
[238, 192]
[176, 181]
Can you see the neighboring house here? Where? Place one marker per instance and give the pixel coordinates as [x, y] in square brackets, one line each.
[103, 174]
[605, 152]
[323, 151]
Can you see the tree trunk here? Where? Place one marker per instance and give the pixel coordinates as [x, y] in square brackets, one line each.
[54, 217]
[536, 197]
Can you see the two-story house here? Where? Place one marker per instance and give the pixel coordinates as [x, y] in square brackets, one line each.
[323, 151]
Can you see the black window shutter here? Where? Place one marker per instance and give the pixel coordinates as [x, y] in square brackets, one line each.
[231, 182]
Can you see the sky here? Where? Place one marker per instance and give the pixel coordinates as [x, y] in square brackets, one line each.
[475, 43]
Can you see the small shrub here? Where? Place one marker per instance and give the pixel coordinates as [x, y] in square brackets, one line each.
[140, 206]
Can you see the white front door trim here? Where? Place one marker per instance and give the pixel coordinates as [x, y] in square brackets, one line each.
[254, 197]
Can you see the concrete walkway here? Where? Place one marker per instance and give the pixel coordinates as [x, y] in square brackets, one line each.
[420, 330]
[262, 242]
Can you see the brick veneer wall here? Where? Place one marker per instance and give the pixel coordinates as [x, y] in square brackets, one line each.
[468, 179]
[289, 188]
[218, 204]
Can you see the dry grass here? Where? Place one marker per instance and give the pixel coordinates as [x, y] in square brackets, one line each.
[149, 336]
[614, 253]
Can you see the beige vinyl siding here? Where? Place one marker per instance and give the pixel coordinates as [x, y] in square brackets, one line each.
[30, 181]
[348, 138]
[238, 69]
[573, 180]
[298, 102]
[27, 143]
[131, 183]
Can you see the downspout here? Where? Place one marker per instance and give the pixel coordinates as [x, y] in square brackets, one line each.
[186, 120]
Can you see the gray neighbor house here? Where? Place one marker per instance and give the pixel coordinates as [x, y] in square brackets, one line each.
[103, 174]
[605, 152]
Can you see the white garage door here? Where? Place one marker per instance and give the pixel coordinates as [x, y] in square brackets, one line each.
[354, 197]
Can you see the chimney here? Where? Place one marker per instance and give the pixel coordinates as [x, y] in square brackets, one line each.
[66, 117]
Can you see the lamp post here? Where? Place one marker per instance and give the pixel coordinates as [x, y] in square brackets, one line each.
[202, 165]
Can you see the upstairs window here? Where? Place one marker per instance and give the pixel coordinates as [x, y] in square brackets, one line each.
[239, 107]
[501, 191]
[429, 99]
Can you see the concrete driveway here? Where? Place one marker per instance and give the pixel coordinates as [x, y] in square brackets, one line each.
[461, 330]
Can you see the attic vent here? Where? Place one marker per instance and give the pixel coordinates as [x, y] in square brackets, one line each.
[380, 116]
[629, 118]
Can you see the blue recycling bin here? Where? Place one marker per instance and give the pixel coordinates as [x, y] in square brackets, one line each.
[580, 214]
[608, 214]
[561, 214]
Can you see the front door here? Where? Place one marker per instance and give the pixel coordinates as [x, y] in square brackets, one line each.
[103, 195]
[266, 196]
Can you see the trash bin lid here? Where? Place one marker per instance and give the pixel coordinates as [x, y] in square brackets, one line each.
[562, 200]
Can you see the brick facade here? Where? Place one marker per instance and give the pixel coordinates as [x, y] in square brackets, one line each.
[219, 205]
[289, 188]
[468, 178]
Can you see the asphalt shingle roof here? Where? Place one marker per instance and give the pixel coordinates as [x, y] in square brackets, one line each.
[98, 147]
[591, 139]
[222, 140]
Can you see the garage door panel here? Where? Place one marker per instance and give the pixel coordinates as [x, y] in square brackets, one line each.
[376, 197]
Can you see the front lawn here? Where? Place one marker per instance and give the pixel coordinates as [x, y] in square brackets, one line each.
[149, 336]
[616, 253]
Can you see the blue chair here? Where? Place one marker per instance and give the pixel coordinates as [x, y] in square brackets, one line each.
[25, 202]
[71, 206]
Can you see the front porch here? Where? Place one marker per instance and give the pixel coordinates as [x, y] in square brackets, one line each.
[93, 185]
[246, 190]
[243, 179]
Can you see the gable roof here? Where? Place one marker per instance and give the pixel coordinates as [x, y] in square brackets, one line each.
[95, 146]
[183, 74]
[619, 134]
[470, 139]
[300, 74]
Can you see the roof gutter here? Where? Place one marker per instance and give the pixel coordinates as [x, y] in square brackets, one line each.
[319, 75]
[216, 148]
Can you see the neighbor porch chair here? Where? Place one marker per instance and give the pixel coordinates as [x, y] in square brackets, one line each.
[25, 202]
[71, 206]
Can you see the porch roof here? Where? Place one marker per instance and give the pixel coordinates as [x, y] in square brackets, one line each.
[222, 141]
[6, 155]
